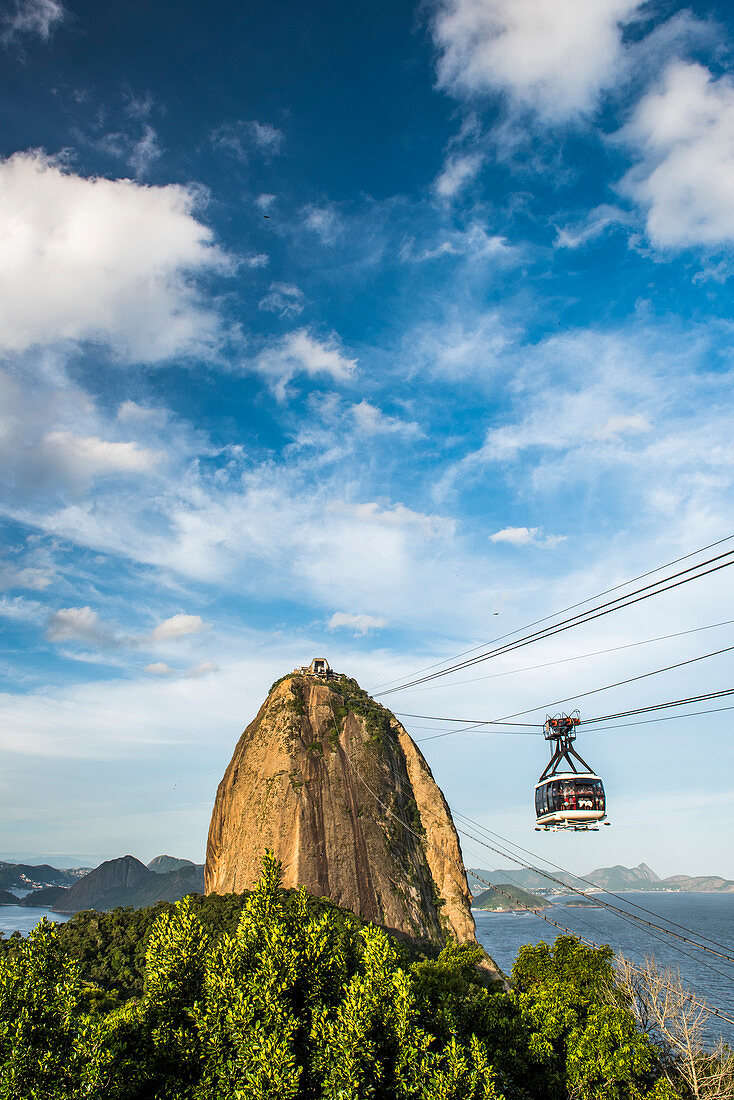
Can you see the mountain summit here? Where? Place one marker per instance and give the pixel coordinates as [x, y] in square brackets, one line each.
[332, 783]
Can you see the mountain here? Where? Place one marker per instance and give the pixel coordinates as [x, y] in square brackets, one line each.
[127, 881]
[507, 897]
[7, 898]
[163, 864]
[615, 879]
[326, 777]
[28, 876]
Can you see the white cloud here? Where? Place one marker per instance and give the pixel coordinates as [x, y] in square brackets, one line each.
[459, 170]
[178, 626]
[619, 424]
[324, 221]
[204, 669]
[101, 260]
[525, 536]
[684, 137]
[371, 421]
[87, 457]
[474, 243]
[19, 576]
[78, 624]
[242, 137]
[159, 668]
[84, 624]
[265, 201]
[593, 226]
[301, 353]
[359, 624]
[40, 17]
[554, 56]
[284, 299]
[266, 136]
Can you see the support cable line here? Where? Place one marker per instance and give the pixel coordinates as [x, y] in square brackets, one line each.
[576, 657]
[531, 728]
[583, 694]
[665, 584]
[571, 607]
[589, 882]
[724, 693]
[629, 917]
[422, 841]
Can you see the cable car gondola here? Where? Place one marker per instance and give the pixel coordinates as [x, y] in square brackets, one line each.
[566, 797]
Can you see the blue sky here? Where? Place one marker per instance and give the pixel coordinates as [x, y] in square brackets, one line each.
[371, 331]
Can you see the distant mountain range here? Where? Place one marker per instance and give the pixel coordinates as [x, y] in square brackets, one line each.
[117, 882]
[615, 878]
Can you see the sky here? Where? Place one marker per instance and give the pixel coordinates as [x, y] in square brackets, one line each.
[372, 331]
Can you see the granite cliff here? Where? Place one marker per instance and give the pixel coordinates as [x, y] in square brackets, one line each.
[329, 779]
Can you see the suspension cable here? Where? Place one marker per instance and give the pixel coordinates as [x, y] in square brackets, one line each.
[589, 882]
[644, 593]
[571, 607]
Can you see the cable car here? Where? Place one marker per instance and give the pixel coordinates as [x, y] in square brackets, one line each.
[567, 797]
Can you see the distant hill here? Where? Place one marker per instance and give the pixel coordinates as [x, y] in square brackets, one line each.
[163, 864]
[617, 878]
[127, 881]
[8, 899]
[497, 899]
[46, 896]
[26, 876]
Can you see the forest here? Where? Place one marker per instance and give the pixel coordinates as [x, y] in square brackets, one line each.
[277, 994]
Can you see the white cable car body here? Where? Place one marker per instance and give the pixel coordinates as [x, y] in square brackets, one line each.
[567, 797]
[570, 800]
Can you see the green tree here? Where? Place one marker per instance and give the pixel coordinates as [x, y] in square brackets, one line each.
[41, 997]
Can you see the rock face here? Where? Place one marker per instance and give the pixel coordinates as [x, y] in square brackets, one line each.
[332, 783]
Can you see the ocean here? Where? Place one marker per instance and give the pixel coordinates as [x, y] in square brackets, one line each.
[503, 934]
[712, 915]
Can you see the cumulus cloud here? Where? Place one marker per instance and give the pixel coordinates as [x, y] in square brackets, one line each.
[683, 135]
[78, 624]
[302, 353]
[284, 299]
[525, 536]
[32, 17]
[102, 260]
[83, 624]
[88, 457]
[204, 669]
[178, 626]
[554, 56]
[13, 575]
[358, 624]
[159, 668]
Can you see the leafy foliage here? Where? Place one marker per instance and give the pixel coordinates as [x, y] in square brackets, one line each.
[275, 994]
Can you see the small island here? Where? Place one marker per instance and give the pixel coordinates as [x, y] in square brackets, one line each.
[505, 898]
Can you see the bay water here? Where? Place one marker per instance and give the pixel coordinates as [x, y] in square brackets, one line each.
[707, 976]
